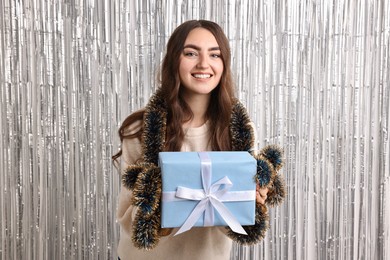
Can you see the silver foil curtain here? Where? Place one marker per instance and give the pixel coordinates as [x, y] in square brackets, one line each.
[315, 76]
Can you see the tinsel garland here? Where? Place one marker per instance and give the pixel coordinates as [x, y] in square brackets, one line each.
[144, 178]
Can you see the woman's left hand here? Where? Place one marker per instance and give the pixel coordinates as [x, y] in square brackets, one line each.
[261, 194]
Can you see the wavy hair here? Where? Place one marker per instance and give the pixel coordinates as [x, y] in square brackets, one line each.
[220, 105]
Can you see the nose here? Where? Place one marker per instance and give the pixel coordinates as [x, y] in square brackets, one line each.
[203, 61]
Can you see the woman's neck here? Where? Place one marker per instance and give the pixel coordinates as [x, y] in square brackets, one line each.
[198, 105]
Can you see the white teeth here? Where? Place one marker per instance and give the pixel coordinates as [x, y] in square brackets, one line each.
[202, 76]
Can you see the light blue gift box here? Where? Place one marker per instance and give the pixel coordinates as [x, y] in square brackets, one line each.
[183, 169]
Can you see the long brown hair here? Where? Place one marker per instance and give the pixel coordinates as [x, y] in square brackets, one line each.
[220, 105]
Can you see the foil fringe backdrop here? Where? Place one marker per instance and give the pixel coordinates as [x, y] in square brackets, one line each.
[314, 75]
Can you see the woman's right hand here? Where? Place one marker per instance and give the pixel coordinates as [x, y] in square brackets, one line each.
[261, 194]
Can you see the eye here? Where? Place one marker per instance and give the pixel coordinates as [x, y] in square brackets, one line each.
[215, 55]
[190, 53]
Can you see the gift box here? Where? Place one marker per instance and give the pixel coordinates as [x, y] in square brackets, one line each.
[207, 189]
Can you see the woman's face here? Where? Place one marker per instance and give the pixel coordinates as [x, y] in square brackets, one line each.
[201, 65]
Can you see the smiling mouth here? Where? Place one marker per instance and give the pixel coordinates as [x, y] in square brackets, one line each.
[201, 76]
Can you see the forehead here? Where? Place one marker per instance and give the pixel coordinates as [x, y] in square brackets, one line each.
[201, 37]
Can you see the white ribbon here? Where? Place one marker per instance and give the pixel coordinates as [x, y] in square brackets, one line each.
[209, 198]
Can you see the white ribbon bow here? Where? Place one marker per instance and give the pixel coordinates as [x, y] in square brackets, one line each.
[209, 198]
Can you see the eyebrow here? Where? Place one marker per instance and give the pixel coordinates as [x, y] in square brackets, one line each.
[192, 46]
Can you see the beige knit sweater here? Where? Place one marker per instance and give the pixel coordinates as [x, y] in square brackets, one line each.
[197, 243]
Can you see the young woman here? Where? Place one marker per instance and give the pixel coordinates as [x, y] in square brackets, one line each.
[194, 109]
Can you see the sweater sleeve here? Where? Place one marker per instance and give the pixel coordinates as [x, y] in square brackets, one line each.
[131, 152]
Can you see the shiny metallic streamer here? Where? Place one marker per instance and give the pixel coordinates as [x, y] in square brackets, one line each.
[314, 75]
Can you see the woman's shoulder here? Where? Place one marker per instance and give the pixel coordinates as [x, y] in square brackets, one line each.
[133, 127]
[131, 143]
[133, 123]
